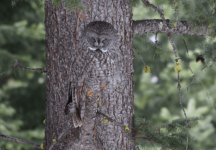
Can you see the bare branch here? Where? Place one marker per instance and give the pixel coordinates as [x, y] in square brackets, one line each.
[16, 65]
[156, 26]
[19, 141]
[179, 85]
[184, 43]
[167, 28]
[140, 56]
[146, 2]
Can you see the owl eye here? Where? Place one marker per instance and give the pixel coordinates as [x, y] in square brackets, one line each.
[104, 40]
[93, 39]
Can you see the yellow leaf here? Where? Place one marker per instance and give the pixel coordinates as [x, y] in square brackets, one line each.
[127, 128]
[44, 121]
[178, 62]
[99, 103]
[146, 69]
[176, 4]
[41, 146]
[175, 24]
[192, 74]
[54, 140]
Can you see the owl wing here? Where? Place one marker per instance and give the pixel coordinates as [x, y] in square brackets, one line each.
[73, 107]
[78, 88]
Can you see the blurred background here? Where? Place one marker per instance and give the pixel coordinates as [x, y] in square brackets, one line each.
[22, 92]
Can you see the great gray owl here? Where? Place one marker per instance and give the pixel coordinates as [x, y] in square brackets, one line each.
[90, 71]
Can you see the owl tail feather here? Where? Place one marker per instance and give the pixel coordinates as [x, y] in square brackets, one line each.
[76, 120]
[75, 115]
[71, 108]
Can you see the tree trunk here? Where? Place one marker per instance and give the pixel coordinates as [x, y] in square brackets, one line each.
[62, 35]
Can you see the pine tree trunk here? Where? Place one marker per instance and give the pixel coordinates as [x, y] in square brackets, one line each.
[62, 33]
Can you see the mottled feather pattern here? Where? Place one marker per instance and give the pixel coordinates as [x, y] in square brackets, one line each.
[94, 65]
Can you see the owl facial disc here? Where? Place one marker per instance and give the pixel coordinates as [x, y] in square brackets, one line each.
[99, 35]
[97, 49]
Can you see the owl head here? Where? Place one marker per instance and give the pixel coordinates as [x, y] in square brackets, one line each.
[99, 36]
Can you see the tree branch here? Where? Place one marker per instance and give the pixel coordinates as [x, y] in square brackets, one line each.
[179, 86]
[166, 27]
[151, 140]
[157, 26]
[146, 2]
[19, 141]
[16, 65]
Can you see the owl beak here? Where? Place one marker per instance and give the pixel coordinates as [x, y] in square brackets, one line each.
[98, 50]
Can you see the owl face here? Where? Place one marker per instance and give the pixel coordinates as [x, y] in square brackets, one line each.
[99, 36]
[98, 42]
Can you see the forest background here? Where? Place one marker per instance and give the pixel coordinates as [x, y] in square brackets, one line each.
[22, 92]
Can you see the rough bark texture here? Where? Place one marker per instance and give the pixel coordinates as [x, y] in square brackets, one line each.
[156, 26]
[62, 35]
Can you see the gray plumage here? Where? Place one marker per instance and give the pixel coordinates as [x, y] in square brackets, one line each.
[96, 54]
[99, 35]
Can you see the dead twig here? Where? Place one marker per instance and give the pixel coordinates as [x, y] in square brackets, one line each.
[165, 25]
[5, 137]
[179, 86]
[16, 65]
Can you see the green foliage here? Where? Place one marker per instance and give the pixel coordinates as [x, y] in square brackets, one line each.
[164, 53]
[22, 93]
[199, 13]
[22, 96]
[14, 2]
[208, 52]
[157, 100]
[170, 135]
[133, 2]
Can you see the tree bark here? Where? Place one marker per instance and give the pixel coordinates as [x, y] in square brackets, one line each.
[156, 26]
[62, 34]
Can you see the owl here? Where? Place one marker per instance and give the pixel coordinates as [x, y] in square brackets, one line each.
[90, 71]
